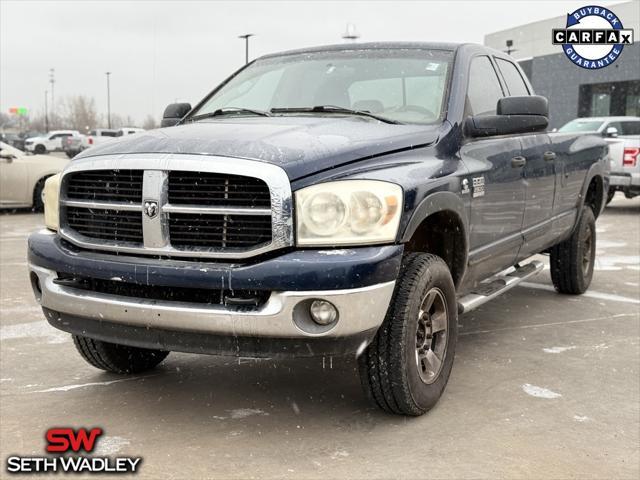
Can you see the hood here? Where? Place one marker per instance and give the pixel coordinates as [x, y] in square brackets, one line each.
[301, 145]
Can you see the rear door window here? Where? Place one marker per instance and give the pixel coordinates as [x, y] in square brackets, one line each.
[629, 128]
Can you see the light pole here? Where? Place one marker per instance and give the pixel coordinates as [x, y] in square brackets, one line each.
[509, 50]
[52, 81]
[246, 45]
[46, 111]
[350, 34]
[108, 74]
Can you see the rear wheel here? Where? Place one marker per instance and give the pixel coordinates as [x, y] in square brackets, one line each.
[407, 365]
[116, 358]
[610, 195]
[572, 261]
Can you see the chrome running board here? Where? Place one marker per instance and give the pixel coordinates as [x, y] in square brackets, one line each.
[497, 285]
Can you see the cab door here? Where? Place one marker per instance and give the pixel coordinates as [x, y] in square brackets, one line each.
[495, 183]
[538, 171]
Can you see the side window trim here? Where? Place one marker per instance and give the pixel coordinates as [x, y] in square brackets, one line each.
[503, 81]
[500, 81]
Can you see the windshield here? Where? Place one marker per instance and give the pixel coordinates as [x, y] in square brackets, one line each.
[405, 85]
[582, 126]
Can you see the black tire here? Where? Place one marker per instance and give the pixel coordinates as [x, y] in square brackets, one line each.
[572, 261]
[610, 195]
[40, 149]
[38, 201]
[392, 376]
[117, 358]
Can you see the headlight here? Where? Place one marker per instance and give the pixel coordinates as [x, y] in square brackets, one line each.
[350, 212]
[51, 202]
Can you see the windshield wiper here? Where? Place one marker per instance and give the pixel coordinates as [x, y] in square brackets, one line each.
[333, 109]
[229, 111]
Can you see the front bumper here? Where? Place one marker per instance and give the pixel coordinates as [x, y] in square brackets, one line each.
[281, 325]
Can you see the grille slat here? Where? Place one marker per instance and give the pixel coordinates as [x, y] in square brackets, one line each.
[187, 231]
[214, 189]
[106, 185]
[195, 230]
[116, 225]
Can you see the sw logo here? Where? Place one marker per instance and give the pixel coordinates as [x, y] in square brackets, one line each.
[593, 38]
[65, 440]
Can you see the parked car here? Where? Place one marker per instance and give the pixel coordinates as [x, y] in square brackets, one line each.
[50, 142]
[121, 132]
[623, 136]
[22, 177]
[341, 200]
[74, 145]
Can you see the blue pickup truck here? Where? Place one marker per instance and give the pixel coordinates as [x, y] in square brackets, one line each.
[342, 200]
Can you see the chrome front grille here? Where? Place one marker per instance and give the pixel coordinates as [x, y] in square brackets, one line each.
[208, 206]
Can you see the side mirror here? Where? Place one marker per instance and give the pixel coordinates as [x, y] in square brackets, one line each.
[611, 132]
[7, 157]
[525, 114]
[174, 113]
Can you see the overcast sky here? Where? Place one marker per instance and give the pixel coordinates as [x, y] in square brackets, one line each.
[160, 51]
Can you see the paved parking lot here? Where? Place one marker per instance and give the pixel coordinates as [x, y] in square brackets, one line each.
[544, 385]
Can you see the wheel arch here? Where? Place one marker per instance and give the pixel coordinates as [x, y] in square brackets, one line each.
[593, 191]
[439, 226]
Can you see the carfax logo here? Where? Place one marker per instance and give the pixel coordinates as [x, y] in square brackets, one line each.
[68, 443]
[593, 38]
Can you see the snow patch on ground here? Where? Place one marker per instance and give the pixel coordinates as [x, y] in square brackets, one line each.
[245, 412]
[110, 445]
[539, 392]
[40, 329]
[580, 418]
[557, 349]
[339, 454]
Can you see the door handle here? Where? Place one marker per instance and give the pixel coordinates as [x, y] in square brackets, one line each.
[518, 161]
[549, 156]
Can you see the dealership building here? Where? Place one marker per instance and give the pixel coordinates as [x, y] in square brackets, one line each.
[574, 91]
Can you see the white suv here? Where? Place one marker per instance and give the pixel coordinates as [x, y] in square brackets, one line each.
[50, 142]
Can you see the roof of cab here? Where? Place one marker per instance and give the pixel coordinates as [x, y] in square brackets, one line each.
[370, 46]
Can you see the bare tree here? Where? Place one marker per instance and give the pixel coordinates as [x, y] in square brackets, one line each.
[150, 123]
[79, 113]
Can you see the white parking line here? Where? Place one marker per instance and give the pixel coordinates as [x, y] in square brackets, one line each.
[66, 388]
[551, 324]
[590, 294]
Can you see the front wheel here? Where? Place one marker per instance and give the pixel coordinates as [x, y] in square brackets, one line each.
[116, 358]
[40, 149]
[407, 365]
[572, 261]
[38, 196]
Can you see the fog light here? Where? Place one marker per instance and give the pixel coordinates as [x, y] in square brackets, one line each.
[323, 312]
